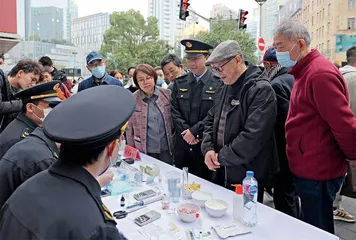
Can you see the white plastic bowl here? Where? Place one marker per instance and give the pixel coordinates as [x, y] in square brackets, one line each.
[216, 208]
[188, 217]
[200, 198]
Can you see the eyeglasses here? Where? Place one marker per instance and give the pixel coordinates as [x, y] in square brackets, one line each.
[220, 68]
[94, 65]
[145, 79]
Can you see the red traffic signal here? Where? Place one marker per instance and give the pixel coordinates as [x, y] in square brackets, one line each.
[242, 19]
[184, 13]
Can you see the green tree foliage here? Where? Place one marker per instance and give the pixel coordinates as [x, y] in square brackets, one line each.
[132, 40]
[228, 30]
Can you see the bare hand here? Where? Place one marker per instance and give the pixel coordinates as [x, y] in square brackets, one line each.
[105, 178]
[188, 136]
[211, 160]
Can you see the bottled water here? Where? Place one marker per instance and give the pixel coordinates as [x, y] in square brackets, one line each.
[250, 191]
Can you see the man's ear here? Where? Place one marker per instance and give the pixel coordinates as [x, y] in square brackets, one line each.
[29, 107]
[112, 146]
[20, 73]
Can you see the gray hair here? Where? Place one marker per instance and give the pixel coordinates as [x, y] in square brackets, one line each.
[293, 30]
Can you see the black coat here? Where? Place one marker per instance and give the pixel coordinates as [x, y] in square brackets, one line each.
[249, 142]
[25, 159]
[9, 105]
[62, 202]
[17, 130]
[282, 84]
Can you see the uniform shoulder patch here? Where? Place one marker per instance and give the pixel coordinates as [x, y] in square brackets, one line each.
[24, 134]
[107, 213]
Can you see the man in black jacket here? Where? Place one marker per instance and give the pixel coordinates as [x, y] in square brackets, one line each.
[25, 74]
[37, 101]
[56, 74]
[192, 97]
[284, 194]
[238, 134]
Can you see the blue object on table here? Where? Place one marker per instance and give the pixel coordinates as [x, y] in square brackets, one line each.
[140, 203]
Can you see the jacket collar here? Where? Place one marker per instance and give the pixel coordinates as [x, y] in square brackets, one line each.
[38, 132]
[298, 70]
[77, 173]
[204, 78]
[103, 80]
[31, 125]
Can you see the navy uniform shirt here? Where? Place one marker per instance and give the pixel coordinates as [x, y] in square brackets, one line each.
[17, 130]
[62, 202]
[25, 159]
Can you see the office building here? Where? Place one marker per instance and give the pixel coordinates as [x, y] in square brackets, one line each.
[88, 32]
[253, 23]
[47, 23]
[73, 11]
[290, 9]
[332, 26]
[169, 24]
[270, 18]
[222, 12]
[24, 18]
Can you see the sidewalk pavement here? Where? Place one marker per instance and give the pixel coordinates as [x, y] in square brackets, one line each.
[346, 231]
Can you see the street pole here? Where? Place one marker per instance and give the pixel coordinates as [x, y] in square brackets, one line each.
[260, 2]
[260, 20]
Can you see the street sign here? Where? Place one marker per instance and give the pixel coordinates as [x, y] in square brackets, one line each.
[261, 44]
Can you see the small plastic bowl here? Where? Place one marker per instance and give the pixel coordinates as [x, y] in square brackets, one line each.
[188, 217]
[200, 197]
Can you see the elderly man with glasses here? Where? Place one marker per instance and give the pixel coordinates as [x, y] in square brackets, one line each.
[97, 65]
[238, 134]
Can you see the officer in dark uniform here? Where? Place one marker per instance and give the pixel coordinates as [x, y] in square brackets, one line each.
[64, 201]
[36, 101]
[192, 98]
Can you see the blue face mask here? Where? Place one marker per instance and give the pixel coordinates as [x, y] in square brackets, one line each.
[284, 59]
[98, 72]
[160, 82]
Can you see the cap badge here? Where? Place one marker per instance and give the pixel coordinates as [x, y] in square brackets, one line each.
[55, 87]
[188, 44]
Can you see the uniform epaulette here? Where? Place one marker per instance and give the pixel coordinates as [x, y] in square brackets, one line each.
[182, 76]
[25, 133]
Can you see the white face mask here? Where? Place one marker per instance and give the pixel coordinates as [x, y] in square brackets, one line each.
[45, 111]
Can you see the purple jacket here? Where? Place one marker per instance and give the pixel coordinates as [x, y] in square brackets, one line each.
[136, 133]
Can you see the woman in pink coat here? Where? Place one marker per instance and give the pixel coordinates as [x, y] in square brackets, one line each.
[150, 127]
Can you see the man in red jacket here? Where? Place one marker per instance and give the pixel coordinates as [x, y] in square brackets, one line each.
[320, 128]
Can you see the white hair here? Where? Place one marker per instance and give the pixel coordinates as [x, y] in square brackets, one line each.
[293, 30]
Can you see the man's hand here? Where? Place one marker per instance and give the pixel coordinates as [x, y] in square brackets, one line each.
[211, 160]
[188, 137]
[105, 178]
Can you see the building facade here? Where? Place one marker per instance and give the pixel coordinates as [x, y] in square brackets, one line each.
[270, 18]
[73, 11]
[289, 9]
[88, 32]
[47, 23]
[24, 18]
[220, 11]
[169, 24]
[331, 24]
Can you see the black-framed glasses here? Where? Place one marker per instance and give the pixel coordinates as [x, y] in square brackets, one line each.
[220, 68]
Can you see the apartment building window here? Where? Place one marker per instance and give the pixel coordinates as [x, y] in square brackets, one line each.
[351, 23]
[317, 17]
[323, 12]
[328, 28]
[328, 45]
[312, 21]
[312, 5]
[329, 9]
[352, 4]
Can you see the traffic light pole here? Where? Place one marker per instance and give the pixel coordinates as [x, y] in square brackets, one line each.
[209, 20]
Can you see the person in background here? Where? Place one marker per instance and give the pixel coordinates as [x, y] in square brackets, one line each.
[192, 98]
[349, 73]
[56, 74]
[74, 90]
[284, 195]
[89, 145]
[2, 59]
[25, 74]
[130, 83]
[47, 77]
[160, 78]
[150, 127]
[118, 75]
[172, 68]
[238, 134]
[338, 66]
[96, 65]
[37, 101]
[320, 127]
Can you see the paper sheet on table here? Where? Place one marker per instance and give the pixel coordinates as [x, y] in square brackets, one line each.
[230, 230]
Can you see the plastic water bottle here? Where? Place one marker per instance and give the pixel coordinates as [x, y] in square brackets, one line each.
[250, 191]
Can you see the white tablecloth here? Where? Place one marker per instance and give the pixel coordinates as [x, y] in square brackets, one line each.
[272, 224]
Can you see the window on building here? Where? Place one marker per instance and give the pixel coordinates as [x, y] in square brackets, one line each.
[351, 23]
[352, 4]
[328, 28]
[328, 45]
[323, 12]
[312, 21]
[323, 31]
[329, 9]
[317, 17]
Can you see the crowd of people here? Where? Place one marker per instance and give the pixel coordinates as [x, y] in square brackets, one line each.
[291, 120]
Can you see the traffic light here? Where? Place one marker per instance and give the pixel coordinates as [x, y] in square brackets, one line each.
[242, 19]
[184, 13]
